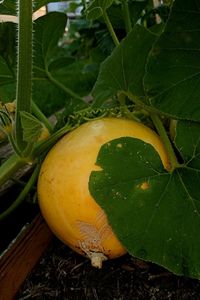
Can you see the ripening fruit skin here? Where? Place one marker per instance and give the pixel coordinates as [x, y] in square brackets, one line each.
[64, 197]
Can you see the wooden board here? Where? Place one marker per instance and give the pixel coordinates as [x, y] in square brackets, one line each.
[21, 257]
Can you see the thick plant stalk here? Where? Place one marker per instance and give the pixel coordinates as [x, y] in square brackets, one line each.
[24, 67]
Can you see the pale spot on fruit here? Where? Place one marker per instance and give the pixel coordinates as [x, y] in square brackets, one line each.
[145, 186]
[119, 145]
[97, 168]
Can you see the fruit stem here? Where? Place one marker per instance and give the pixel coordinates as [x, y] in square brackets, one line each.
[166, 141]
[97, 259]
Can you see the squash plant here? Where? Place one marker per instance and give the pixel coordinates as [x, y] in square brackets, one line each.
[152, 76]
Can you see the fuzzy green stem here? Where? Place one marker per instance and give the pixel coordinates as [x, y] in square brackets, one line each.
[62, 87]
[166, 141]
[39, 114]
[10, 166]
[24, 66]
[126, 14]
[110, 28]
[22, 195]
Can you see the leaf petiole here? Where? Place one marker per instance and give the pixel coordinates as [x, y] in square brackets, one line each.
[110, 28]
[168, 146]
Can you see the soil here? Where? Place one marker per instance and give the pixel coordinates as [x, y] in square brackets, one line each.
[62, 274]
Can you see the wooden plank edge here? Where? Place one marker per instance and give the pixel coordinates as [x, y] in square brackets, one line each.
[22, 256]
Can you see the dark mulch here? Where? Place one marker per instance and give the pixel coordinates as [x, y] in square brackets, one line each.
[64, 275]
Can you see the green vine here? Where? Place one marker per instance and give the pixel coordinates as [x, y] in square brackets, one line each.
[22, 195]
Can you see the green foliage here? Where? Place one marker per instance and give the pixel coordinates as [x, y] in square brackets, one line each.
[32, 127]
[9, 7]
[152, 71]
[96, 8]
[174, 60]
[7, 61]
[159, 73]
[136, 8]
[46, 37]
[156, 215]
[123, 71]
[167, 78]
[50, 59]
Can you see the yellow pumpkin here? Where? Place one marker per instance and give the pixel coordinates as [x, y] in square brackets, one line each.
[64, 197]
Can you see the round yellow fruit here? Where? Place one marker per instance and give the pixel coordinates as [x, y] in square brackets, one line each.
[64, 197]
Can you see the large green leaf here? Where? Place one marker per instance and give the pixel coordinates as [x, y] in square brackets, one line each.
[7, 81]
[136, 8]
[6, 75]
[49, 59]
[7, 91]
[52, 59]
[8, 41]
[31, 126]
[46, 53]
[188, 144]
[46, 37]
[173, 69]
[7, 61]
[44, 92]
[155, 214]
[77, 76]
[8, 7]
[47, 96]
[124, 69]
